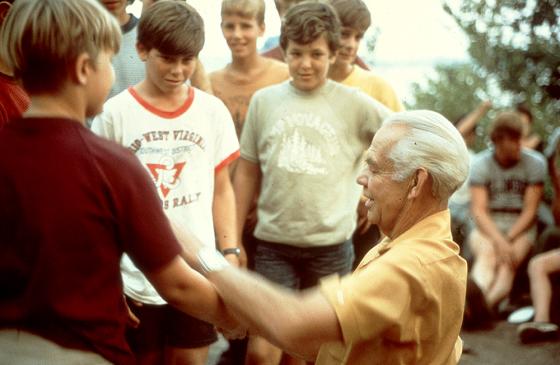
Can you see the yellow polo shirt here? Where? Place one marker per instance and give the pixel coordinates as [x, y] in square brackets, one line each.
[404, 303]
[374, 86]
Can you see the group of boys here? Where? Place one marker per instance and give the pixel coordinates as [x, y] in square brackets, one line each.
[300, 157]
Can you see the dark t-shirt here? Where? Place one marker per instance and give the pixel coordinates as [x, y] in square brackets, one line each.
[70, 204]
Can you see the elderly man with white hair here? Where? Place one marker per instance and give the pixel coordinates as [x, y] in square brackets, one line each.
[404, 303]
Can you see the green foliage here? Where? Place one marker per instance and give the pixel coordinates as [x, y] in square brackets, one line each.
[454, 91]
[515, 54]
[518, 42]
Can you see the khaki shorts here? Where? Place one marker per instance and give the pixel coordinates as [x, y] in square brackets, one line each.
[24, 348]
[504, 221]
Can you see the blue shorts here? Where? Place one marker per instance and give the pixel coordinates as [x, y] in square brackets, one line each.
[302, 267]
[163, 325]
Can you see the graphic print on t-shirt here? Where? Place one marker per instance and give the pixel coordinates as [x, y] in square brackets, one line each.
[301, 151]
[166, 174]
[169, 155]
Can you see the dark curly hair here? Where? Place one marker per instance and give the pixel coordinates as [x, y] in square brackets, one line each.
[309, 20]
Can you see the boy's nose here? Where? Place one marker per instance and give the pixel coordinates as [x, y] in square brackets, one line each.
[237, 32]
[176, 68]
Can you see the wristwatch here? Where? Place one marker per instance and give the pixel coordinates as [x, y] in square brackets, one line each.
[231, 251]
[211, 260]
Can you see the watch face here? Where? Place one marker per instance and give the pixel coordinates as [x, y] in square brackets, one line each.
[232, 251]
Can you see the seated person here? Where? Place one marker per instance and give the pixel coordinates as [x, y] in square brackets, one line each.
[506, 185]
[540, 269]
[543, 265]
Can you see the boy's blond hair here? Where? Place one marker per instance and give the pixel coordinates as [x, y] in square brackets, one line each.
[173, 28]
[41, 39]
[307, 21]
[245, 8]
[353, 14]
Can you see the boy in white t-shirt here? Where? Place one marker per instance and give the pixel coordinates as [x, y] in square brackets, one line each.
[185, 138]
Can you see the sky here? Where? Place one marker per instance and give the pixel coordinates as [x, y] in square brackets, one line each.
[413, 36]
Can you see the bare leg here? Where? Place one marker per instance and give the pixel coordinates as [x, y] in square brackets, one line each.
[506, 273]
[182, 356]
[262, 352]
[484, 267]
[501, 286]
[540, 267]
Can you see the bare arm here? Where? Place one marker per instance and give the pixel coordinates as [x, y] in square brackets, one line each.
[469, 122]
[532, 141]
[223, 209]
[190, 292]
[246, 184]
[555, 180]
[484, 222]
[531, 200]
[199, 78]
[299, 323]
[553, 172]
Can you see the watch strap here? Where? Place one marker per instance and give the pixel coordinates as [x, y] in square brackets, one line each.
[231, 251]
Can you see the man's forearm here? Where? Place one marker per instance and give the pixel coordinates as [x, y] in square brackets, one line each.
[268, 310]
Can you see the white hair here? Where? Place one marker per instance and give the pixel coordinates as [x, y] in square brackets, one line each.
[431, 142]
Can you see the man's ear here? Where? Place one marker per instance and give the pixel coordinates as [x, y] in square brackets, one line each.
[4, 7]
[82, 68]
[419, 183]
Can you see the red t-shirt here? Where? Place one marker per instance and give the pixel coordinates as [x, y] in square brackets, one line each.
[13, 100]
[70, 204]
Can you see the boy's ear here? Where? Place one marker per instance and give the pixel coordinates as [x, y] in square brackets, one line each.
[82, 68]
[142, 51]
[332, 57]
[262, 29]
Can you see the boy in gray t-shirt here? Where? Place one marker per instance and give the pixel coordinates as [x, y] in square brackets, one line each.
[301, 148]
[506, 184]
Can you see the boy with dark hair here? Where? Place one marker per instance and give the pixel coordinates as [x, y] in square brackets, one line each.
[69, 200]
[302, 155]
[273, 50]
[355, 20]
[129, 69]
[186, 139]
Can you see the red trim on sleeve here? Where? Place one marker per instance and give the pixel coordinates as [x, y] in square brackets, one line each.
[162, 113]
[227, 161]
